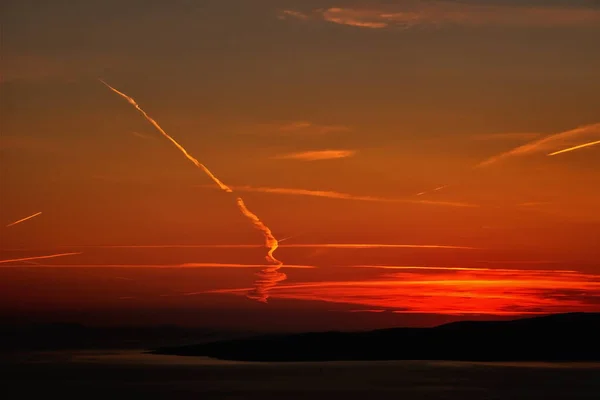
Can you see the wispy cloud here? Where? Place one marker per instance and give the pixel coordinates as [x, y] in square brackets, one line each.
[305, 127]
[408, 267]
[500, 292]
[347, 196]
[534, 204]
[548, 143]
[505, 136]
[295, 126]
[293, 14]
[412, 13]
[298, 128]
[142, 135]
[317, 155]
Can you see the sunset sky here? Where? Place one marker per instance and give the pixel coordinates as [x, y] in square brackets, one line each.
[408, 156]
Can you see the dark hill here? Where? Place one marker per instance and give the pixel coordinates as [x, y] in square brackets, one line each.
[559, 337]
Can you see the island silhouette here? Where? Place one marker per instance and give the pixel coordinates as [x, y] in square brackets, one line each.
[557, 337]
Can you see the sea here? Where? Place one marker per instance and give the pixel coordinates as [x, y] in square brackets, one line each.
[134, 374]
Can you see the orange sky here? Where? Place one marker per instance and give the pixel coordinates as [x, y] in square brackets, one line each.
[335, 122]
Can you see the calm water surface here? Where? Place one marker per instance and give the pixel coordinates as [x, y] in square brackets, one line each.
[133, 374]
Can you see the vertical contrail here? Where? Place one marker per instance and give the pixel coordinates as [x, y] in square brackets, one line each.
[269, 276]
[24, 219]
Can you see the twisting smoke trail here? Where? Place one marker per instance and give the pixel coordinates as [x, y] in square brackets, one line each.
[24, 219]
[581, 146]
[270, 276]
[38, 257]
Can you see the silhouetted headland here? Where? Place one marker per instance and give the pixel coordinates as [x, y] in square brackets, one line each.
[559, 337]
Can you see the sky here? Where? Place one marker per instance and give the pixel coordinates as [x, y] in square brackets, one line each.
[400, 162]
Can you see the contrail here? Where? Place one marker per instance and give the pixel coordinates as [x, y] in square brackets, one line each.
[269, 276]
[156, 266]
[38, 257]
[24, 219]
[292, 245]
[379, 246]
[346, 196]
[437, 189]
[395, 267]
[543, 143]
[581, 146]
[166, 135]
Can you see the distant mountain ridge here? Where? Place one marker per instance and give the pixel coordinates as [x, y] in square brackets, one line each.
[558, 337]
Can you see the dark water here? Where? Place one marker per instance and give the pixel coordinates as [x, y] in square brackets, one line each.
[132, 375]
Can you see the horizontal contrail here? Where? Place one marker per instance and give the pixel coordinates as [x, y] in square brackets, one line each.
[377, 246]
[346, 196]
[289, 246]
[38, 257]
[161, 266]
[437, 189]
[24, 219]
[317, 155]
[544, 143]
[395, 267]
[581, 146]
[290, 266]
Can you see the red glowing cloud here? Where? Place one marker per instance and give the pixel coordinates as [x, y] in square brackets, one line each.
[499, 292]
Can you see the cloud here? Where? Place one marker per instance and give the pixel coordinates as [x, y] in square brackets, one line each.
[499, 292]
[412, 13]
[300, 128]
[345, 196]
[358, 18]
[142, 135]
[317, 155]
[548, 143]
[505, 136]
[295, 126]
[293, 14]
